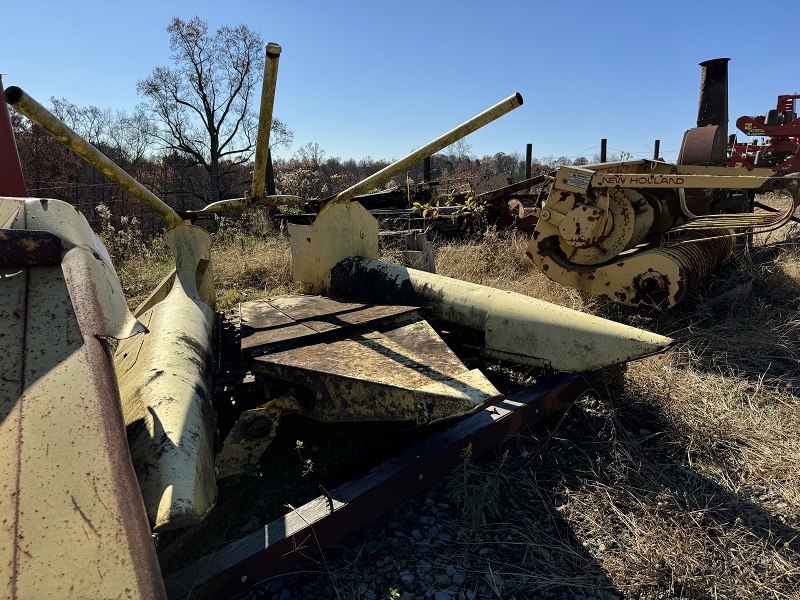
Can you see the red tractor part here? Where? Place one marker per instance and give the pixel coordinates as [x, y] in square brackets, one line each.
[781, 150]
[11, 180]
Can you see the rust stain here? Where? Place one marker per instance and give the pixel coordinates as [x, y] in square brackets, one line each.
[20, 437]
[83, 516]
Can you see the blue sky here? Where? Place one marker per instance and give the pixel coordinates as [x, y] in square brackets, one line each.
[380, 79]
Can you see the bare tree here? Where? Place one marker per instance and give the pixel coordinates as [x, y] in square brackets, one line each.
[206, 103]
[311, 153]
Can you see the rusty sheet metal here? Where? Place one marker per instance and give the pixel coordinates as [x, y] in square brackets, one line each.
[517, 328]
[165, 382]
[342, 230]
[266, 323]
[91, 262]
[251, 435]
[73, 522]
[19, 248]
[57, 217]
[390, 365]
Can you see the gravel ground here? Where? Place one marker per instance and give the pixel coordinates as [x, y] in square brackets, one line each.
[419, 550]
[428, 548]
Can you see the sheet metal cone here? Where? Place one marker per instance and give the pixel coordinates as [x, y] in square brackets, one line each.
[518, 328]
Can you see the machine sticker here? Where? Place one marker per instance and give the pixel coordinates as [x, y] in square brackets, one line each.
[579, 180]
[750, 129]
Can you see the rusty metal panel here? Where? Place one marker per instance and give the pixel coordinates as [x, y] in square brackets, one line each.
[73, 521]
[165, 382]
[273, 550]
[340, 231]
[252, 433]
[388, 365]
[57, 217]
[20, 248]
[265, 323]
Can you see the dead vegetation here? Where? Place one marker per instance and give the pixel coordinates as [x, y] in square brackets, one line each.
[677, 478]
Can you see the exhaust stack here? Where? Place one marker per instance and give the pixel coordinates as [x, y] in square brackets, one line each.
[712, 108]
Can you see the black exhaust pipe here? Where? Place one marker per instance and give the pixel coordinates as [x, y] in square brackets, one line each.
[713, 106]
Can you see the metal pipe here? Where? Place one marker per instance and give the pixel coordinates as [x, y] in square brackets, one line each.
[656, 149]
[12, 183]
[475, 123]
[603, 152]
[37, 113]
[245, 203]
[265, 120]
[712, 108]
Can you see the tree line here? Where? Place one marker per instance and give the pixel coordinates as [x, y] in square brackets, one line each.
[192, 139]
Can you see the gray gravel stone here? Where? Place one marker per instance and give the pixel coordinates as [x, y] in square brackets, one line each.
[407, 578]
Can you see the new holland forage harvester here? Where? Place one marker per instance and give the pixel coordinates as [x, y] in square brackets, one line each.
[107, 422]
[645, 232]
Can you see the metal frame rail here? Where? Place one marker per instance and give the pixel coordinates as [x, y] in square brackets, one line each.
[306, 531]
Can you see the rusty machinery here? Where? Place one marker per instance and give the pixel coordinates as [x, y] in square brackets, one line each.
[107, 427]
[645, 232]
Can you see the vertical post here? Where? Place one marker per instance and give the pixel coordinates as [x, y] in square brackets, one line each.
[270, 175]
[426, 169]
[603, 146]
[11, 181]
[265, 120]
[656, 149]
[528, 159]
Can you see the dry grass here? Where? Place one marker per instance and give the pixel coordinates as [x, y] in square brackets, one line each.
[678, 478]
[498, 260]
[250, 261]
